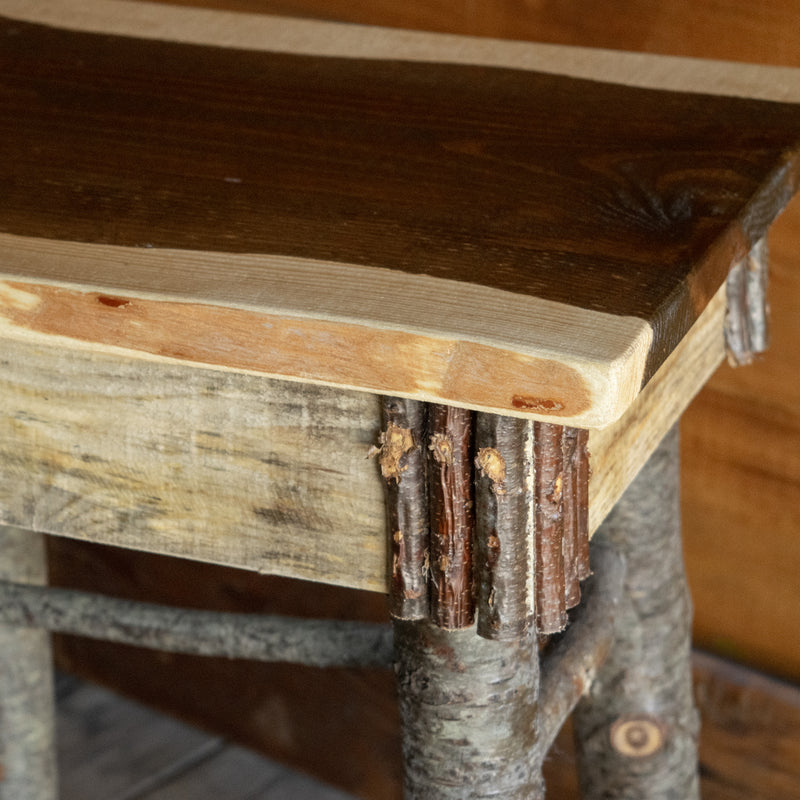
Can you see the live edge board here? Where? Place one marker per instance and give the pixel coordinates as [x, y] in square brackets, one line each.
[409, 214]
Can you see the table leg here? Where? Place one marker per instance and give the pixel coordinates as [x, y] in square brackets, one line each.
[27, 713]
[637, 729]
[468, 707]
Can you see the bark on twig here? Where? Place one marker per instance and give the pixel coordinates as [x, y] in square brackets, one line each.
[318, 643]
[582, 473]
[27, 707]
[637, 729]
[551, 609]
[571, 663]
[747, 315]
[468, 708]
[452, 519]
[504, 526]
[402, 460]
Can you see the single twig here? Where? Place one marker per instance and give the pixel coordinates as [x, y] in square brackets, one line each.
[504, 526]
[551, 608]
[402, 461]
[452, 515]
[319, 643]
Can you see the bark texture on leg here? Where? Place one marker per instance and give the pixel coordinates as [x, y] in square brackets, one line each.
[27, 751]
[468, 707]
[637, 729]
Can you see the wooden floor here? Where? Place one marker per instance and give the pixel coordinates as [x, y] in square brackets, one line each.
[113, 749]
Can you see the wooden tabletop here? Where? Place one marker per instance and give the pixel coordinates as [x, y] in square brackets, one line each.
[394, 212]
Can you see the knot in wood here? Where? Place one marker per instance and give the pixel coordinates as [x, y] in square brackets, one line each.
[441, 446]
[395, 443]
[638, 735]
[493, 466]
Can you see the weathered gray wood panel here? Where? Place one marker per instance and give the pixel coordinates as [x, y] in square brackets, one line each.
[210, 465]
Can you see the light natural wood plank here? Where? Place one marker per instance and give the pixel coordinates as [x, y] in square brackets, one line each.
[233, 469]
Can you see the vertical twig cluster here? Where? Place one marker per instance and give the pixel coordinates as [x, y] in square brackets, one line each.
[488, 518]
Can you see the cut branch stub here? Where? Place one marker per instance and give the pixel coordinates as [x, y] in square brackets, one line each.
[504, 526]
[452, 515]
[747, 315]
[402, 462]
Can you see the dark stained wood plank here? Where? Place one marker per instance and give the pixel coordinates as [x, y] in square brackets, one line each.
[447, 170]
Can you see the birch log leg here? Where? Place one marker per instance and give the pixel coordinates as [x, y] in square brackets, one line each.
[637, 729]
[468, 708]
[27, 753]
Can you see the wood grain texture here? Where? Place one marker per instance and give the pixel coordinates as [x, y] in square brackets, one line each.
[207, 465]
[246, 471]
[440, 129]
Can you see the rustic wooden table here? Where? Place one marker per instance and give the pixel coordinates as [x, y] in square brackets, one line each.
[263, 278]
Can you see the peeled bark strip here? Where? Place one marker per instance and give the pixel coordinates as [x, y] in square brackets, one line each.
[468, 708]
[747, 317]
[504, 526]
[551, 608]
[402, 460]
[452, 516]
[317, 643]
[27, 708]
[637, 729]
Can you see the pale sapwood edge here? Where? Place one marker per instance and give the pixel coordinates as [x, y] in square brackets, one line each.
[318, 643]
[747, 313]
[311, 37]
[567, 364]
[28, 767]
